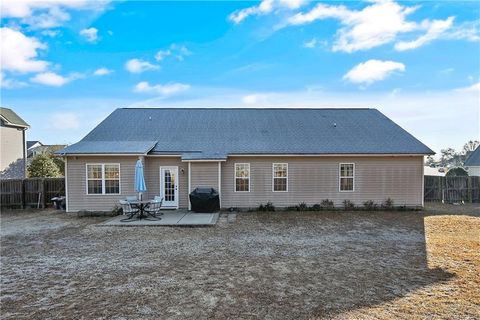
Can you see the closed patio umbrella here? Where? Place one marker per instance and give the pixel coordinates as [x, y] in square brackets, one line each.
[140, 186]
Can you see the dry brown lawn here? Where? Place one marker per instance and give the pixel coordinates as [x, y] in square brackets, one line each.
[341, 265]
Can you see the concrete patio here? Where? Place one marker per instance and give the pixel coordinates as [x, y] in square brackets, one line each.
[169, 218]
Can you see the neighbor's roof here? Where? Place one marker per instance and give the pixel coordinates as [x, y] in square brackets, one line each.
[11, 118]
[32, 143]
[216, 133]
[473, 159]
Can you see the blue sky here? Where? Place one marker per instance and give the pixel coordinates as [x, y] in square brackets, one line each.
[67, 64]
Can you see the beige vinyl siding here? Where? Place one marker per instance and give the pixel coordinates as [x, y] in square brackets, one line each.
[152, 177]
[76, 171]
[204, 174]
[312, 179]
[78, 199]
[11, 146]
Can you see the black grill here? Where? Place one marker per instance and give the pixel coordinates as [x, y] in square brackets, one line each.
[205, 199]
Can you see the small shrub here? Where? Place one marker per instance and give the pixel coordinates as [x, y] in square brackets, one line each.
[302, 206]
[348, 205]
[370, 205]
[117, 210]
[387, 204]
[316, 207]
[268, 207]
[327, 204]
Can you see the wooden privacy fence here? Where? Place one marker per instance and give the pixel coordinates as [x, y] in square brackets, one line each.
[38, 192]
[452, 189]
[30, 193]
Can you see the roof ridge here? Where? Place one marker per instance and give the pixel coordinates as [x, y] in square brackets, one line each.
[239, 108]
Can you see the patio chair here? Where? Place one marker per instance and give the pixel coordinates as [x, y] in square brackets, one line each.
[131, 198]
[154, 207]
[128, 210]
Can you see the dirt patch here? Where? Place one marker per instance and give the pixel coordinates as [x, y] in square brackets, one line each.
[264, 265]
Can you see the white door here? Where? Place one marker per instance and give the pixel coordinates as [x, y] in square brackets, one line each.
[169, 186]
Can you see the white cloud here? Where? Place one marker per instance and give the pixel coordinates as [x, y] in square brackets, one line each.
[8, 83]
[434, 29]
[139, 66]
[373, 70]
[46, 13]
[54, 80]
[162, 89]
[65, 121]
[50, 33]
[374, 25]
[255, 99]
[102, 72]
[265, 7]
[162, 54]
[53, 17]
[175, 50]
[310, 44]
[469, 30]
[381, 23]
[19, 52]
[473, 88]
[90, 34]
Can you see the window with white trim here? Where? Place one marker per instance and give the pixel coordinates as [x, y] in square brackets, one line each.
[242, 177]
[280, 177]
[103, 178]
[347, 176]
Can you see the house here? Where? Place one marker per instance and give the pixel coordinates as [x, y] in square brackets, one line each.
[251, 156]
[472, 164]
[12, 145]
[36, 147]
[433, 171]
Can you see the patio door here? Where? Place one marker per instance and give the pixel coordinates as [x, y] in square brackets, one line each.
[169, 186]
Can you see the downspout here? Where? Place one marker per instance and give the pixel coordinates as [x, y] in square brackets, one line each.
[24, 153]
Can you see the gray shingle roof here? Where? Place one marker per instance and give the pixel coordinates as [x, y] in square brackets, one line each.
[473, 159]
[215, 133]
[12, 118]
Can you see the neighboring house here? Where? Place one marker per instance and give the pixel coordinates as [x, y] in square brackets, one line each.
[36, 147]
[472, 164]
[31, 146]
[433, 171]
[251, 156]
[12, 145]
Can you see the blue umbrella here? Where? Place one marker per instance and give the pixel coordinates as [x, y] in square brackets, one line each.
[139, 178]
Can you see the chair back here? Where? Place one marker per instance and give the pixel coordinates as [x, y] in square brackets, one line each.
[158, 198]
[126, 207]
[131, 198]
[155, 205]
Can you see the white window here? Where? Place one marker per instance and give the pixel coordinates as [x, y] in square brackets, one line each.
[242, 177]
[280, 177]
[103, 178]
[347, 176]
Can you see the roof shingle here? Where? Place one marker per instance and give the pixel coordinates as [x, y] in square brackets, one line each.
[215, 133]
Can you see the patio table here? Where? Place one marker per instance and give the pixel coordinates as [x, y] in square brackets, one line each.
[142, 205]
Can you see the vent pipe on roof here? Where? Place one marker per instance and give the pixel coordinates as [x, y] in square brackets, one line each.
[335, 124]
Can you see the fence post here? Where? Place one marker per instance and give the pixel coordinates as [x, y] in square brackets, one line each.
[42, 192]
[469, 189]
[22, 188]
